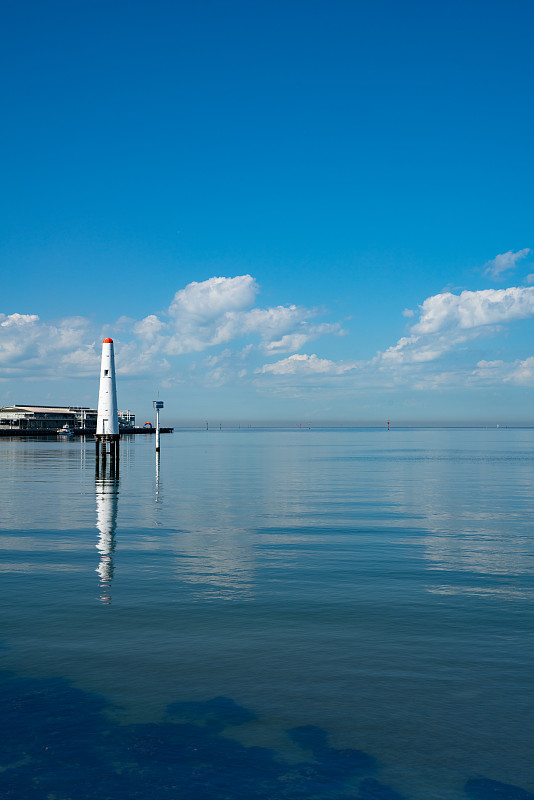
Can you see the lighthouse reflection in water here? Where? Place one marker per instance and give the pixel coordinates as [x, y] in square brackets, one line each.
[107, 496]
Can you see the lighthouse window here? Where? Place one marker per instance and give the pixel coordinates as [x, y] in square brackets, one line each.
[106, 371]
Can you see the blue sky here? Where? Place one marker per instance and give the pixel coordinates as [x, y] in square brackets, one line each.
[298, 211]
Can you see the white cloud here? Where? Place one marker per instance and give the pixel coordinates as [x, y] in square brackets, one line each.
[200, 313]
[302, 364]
[28, 345]
[306, 333]
[149, 327]
[520, 372]
[491, 372]
[265, 322]
[212, 298]
[441, 381]
[222, 368]
[223, 356]
[82, 360]
[411, 349]
[448, 321]
[503, 262]
[218, 316]
[408, 312]
[291, 341]
[523, 372]
[123, 323]
[215, 312]
[474, 309]
[419, 349]
[202, 316]
[17, 320]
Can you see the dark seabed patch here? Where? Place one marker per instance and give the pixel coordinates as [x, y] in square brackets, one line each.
[371, 789]
[485, 789]
[57, 742]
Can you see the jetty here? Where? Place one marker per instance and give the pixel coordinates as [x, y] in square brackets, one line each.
[33, 420]
[6, 430]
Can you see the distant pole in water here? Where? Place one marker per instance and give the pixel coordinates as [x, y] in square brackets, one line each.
[157, 405]
[107, 422]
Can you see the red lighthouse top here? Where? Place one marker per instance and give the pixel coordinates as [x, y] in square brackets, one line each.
[107, 341]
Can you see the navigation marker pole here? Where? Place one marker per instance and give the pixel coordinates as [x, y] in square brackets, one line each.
[157, 405]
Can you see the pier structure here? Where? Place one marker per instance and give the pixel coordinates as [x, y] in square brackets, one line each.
[107, 424]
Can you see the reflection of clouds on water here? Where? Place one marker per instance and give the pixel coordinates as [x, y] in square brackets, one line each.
[220, 562]
[107, 491]
[490, 556]
[212, 552]
[473, 537]
[502, 592]
[496, 555]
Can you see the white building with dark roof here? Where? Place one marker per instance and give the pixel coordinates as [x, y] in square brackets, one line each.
[54, 417]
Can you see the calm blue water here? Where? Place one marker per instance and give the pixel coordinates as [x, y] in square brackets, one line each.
[269, 614]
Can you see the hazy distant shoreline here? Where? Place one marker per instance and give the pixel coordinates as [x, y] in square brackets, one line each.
[266, 426]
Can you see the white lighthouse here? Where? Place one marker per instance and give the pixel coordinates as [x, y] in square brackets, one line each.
[107, 423]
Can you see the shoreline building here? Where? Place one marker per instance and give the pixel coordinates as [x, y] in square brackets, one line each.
[38, 418]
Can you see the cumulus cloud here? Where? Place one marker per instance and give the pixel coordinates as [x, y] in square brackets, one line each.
[418, 349]
[29, 345]
[149, 327]
[82, 360]
[214, 297]
[503, 263]
[474, 309]
[223, 368]
[451, 322]
[447, 321]
[217, 311]
[523, 372]
[205, 315]
[288, 342]
[302, 364]
[220, 318]
[17, 320]
[520, 372]
[265, 322]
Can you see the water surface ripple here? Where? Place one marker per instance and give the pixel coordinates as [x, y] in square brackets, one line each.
[269, 613]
